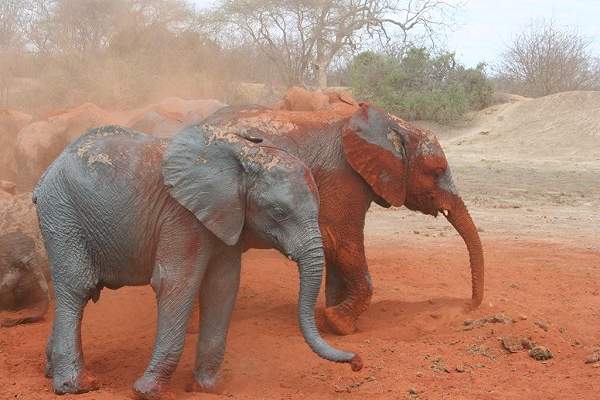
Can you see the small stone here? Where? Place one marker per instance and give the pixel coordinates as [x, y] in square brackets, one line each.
[460, 368]
[499, 319]
[522, 317]
[412, 391]
[527, 343]
[542, 325]
[540, 353]
[593, 358]
[512, 344]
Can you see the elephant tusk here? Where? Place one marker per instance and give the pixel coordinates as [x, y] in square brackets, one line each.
[445, 212]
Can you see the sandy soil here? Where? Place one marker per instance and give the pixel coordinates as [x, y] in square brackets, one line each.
[540, 232]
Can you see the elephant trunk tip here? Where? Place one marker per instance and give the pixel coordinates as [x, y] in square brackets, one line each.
[356, 363]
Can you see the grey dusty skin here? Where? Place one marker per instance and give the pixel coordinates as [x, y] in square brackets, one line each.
[121, 208]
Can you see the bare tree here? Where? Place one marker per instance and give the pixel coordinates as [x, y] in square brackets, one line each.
[304, 36]
[546, 59]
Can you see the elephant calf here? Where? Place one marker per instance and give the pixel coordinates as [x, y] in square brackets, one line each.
[23, 287]
[118, 208]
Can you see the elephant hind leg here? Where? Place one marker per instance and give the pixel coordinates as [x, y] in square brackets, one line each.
[64, 355]
[74, 278]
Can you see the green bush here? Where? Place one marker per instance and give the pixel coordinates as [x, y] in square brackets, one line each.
[419, 85]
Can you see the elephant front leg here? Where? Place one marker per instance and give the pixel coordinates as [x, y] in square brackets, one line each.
[217, 298]
[349, 289]
[335, 286]
[175, 290]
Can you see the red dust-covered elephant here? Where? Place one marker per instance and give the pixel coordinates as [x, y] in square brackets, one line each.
[11, 122]
[171, 115]
[40, 142]
[357, 155]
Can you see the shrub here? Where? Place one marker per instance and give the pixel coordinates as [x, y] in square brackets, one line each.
[420, 85]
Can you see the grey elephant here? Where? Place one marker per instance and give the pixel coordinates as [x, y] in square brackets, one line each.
[23, 287]
[119, 208]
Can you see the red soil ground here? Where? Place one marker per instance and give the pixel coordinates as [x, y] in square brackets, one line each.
[411, 339]
[538, 218]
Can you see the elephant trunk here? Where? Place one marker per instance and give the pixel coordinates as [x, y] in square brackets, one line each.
[459, 217]
[310, 264]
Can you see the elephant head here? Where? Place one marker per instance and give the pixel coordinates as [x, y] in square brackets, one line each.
[232, 182]
[407, 166]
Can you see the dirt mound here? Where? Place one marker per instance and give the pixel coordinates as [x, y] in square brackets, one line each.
[563, 126]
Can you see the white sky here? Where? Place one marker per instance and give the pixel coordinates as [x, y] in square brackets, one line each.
[484, 27]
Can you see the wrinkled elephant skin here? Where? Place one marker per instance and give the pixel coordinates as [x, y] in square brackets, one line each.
[122, 208]
[360, 154]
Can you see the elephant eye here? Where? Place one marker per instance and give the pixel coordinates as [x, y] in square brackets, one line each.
[438, 172]
[279, 213]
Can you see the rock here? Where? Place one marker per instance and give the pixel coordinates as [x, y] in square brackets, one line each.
[469, 324]
[527, 343]
[499, 319]
[515, 344]
[512, 344]
[542, 325]
[593, 358]
[540, 353]
[439, 365]
[460, 368]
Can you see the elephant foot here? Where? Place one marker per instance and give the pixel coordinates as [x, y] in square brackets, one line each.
[48, 372]
[75, 384]
[149, 388]
[203, 383]
[340, 322]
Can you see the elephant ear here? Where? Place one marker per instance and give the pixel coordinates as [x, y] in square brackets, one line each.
[376, 151]
[205, 176]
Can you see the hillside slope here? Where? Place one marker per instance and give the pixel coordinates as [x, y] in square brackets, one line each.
[559, 127]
